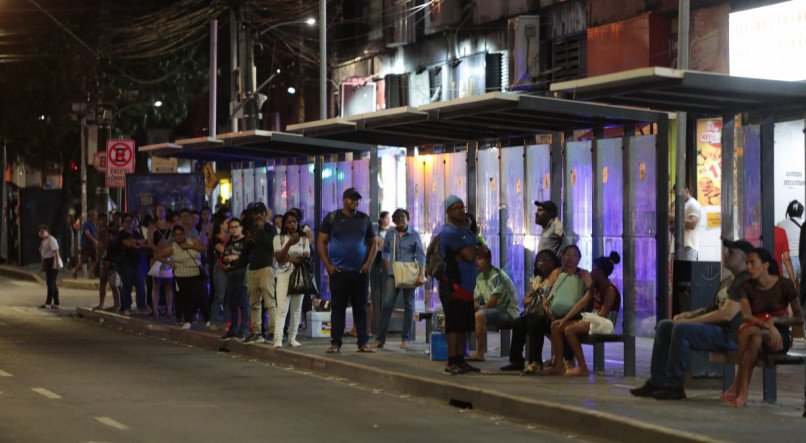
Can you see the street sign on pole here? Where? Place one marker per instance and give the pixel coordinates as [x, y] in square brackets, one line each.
[99, 161]
[119, 162]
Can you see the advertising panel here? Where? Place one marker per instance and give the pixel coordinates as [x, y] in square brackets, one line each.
[709, 161]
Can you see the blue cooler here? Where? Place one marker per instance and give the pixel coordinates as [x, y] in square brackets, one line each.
[439, 347]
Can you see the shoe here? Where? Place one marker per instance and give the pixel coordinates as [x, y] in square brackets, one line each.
[669, 394]
[468, 368]
[404, 345]
[333, 349]
[54, 307]
[127, 312]
[255, 339]
[455, 370]
[513, 367]
[269, 336]
[294, 343]
[377, 345]
[240, 337]
[45, 306]
[533, 368]
[646, 390]
[277, 344]
[210, 326]
[366, 349]
[185, 326]
[230, 335]
[146, 311]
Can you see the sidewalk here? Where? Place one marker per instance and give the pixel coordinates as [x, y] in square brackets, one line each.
[599, 407]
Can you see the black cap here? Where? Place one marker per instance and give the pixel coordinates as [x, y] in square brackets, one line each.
[547, 205]
[351, 193]
[741, 244]
[260, 208]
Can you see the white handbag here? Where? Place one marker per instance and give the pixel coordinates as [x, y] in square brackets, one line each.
[599, 325]
[405, 272]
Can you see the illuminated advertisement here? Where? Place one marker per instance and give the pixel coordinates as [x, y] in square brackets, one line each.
[709, 161]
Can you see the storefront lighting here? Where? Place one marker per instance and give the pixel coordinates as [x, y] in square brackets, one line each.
[225, 189]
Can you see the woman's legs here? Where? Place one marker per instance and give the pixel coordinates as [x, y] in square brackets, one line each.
[295, 305]
[558, 348]
[747, 361]
[573, 332]
[53, 290]
[156, 285]
[169, 297]
[103, 281]
[388, 301]
[280, 311]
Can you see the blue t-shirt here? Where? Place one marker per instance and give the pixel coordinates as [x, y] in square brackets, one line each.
[350, 237]
[452, 240]
[88, 225]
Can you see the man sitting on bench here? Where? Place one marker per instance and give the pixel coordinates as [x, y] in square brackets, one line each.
[496, 300]
[707, 329]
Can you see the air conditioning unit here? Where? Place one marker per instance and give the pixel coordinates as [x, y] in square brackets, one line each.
[523, 43]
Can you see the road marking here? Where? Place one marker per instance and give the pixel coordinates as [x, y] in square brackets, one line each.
[623, 386]
[614, 361]
[112, 423]
[4, 373]
[48, 394]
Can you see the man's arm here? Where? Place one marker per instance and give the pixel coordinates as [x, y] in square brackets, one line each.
[88, 234]
[321, 246]
[373, 249]
[692, 221]
[721, 315]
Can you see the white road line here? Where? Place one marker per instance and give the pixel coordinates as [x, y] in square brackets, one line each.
[112, 423]
[623, 386]
[614, 361]
[4, 374]
[48, 394]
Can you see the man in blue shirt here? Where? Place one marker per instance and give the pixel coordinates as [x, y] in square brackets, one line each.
[458, 250]
[347, 246]
[89, 246]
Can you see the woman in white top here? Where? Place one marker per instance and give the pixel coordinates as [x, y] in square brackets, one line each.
[290, 247]
[791, 224]
[51, 264]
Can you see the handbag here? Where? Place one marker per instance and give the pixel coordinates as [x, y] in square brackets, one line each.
[599, 325]
[159, 269]
[301, 279]
[405, 272]
[202, 269]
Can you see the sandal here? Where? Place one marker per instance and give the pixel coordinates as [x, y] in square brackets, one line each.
[377, 345]
[576, 372]
[404, 345]
[533, 368]
[738, 403]
[366, 349]
[474, 357]
[333, 350]
[45, 306]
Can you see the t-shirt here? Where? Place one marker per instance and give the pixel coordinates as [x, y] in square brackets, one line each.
[691, 236]
[773, 300]
[729, 290]
[241, 248]
[497, 282]
[262, 254]
[47, 247]
[88, 225]
[187, 261]
[132, 256]
[780, 246]
[452, 240]
[552, 236]
[792, 233]
[350, 238]
[302, 247]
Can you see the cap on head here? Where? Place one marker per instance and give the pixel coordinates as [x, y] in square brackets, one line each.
[260, 208]
[740, 244]
[547, 206]
[452, 200]
[352, 194]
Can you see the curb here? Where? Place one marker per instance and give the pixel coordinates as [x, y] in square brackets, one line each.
[599, 425]
[72, 283]
[20, 274]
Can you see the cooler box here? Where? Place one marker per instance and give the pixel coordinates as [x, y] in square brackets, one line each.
[319, 324]
[439, 347]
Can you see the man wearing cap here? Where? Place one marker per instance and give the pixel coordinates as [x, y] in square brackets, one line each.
[713, 328]
[260, 276]
[458, 250]
[552, 235]
[346, 246]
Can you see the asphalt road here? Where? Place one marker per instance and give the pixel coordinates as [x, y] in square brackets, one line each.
[63, 380]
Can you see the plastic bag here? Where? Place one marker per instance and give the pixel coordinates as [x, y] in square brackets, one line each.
[599, 325]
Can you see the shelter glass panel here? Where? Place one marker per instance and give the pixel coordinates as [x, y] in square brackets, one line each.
[415, 185]
[294, 190]
[237, 190]
[307, 201]
[435, 192]
[249, 185]
[749, 184]
[280, 188]
[610, 191]
[514, 215]
[331, 196]
[489, 194]
[456, 174]
[538, 187]
[642, 172]
[579, 186]
[262, 185]
[360, 181]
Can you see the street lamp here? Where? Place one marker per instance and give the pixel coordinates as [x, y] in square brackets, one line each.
[310, 21]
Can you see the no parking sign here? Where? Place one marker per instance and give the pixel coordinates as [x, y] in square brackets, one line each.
[119, 162]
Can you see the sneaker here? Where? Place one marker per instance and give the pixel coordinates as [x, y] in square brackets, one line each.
[45, 306]
[294, 343]
[185, 326]
[513, 367]
[333, 349]
[676, 393]
[464, 365]
[145, 311]
[230, 335]
[646, 390]
[255, 339]
[55, 307]
[210, 326]
[277, 344]
[240, 337]
[455, 370]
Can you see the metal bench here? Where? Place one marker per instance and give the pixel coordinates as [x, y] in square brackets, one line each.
[598, 342]
[766, 361]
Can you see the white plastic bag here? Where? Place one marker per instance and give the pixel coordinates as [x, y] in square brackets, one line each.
[599, 325]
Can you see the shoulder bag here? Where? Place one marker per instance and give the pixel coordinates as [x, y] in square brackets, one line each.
[301, 280]
[405, 272]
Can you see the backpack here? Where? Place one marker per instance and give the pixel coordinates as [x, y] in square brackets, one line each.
[434, 265]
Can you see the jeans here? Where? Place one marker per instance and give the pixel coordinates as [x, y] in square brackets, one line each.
[261, 292]
[352, 287]
[377, 290]
[53, 290]
[238, 301]
[192, 297]
[534, 328]
[672, 346]
[285, 303]
[390, 295]
[218, 313]
[132, 274]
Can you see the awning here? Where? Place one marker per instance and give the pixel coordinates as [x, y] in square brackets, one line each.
[495, 115]
[253, 145]
[689, 91]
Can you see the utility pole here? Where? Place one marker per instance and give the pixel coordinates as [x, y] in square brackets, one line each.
[680, 153]
[83, 165]
[234, 24]
[212, 129]
[322, 59]
[247, 74]
[4, 206]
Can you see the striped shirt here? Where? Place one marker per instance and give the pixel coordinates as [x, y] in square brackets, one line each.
[186, 260]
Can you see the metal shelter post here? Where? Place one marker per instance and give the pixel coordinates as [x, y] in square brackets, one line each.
[597, 198]
[4, 208]
[317, 212]
[728, 160]
[767, 182]
[628, 237]
[661, 219]
[556, 189]
[472, 174]
[374, 194]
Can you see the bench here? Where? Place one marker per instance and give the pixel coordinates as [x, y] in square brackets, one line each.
[598, 342]
[506, 339]
[766, 361]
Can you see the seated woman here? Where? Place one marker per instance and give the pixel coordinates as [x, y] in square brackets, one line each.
[606, 302]
[528, 324]
[764, 299]
[569, 286]
[496, 300]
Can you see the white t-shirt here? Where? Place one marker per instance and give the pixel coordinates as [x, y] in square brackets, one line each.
[792, 234]
[690, 236]
[47, 247]
[298, 250]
